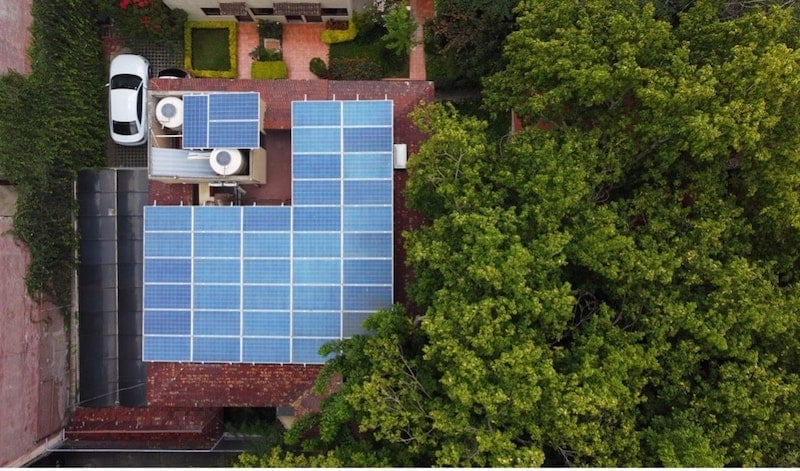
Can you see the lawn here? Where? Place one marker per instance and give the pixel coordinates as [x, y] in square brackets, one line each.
[210, 49]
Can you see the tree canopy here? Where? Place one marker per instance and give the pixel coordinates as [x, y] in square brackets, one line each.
[616, 284]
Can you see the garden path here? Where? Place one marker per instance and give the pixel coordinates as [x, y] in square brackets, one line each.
[246, 41]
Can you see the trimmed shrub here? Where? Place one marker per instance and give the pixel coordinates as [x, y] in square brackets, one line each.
[230, 26]
[318, 67]
[333, 36]
[269, 70]
[354, 68]
[270, 29]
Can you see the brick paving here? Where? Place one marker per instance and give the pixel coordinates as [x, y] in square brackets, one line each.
[301, 43]
[246, 41]
[423, 10]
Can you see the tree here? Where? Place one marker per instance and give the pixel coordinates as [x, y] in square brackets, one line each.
[400, 26]
[617, 284]
[464, 40]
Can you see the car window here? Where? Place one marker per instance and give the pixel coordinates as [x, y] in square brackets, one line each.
[140, 103]
[125, 128]
[125, 81]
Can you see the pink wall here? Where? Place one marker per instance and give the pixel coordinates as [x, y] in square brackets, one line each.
[15, 20]
[34, 378]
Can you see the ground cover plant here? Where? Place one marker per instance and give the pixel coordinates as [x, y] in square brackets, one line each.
[211, 48]
[55, 118]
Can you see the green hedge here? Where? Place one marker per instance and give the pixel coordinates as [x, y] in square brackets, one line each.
[269, 70]
[232, 48]
[354, 68]
[52, 123]
[333, 36]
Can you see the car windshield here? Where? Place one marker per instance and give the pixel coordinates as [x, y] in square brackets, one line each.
[125, 81]
[125, 128]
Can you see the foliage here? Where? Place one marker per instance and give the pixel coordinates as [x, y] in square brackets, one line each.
[51, 126]
[270, 29]
[261, 53]
[369, 46]
[269, 70]
[353, 68]
[400, 26]
[464, 41]
[140, 21]
[318, 67]
[210, 49]
[615, 285]
[333, 36]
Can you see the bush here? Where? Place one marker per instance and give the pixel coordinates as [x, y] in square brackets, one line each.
[270, 70]
[189, 59]
[262, 54]
[318, 67]
[137, 21]
[333, 36]
[354, 68]
[270, 29]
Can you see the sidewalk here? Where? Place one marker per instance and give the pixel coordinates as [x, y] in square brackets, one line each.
[423, 10]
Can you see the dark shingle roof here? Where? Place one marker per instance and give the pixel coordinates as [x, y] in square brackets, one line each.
[308, 9]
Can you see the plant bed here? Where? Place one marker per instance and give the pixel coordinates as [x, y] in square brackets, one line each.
[269, 70]
[211, 49]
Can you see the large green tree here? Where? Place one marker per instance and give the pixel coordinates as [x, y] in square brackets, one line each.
[616, 284]
[464, 40]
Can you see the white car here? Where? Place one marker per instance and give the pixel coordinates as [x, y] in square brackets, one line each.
[127, 99]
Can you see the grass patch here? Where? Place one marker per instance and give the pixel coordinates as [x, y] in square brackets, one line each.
[210, 49]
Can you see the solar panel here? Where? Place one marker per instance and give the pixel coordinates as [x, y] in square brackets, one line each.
[219, 120]
[271, 284]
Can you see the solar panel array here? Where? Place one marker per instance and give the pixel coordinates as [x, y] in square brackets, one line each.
[217, 120]
[271, 284]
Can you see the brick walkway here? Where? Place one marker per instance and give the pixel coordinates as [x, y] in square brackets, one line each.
[301, 43]
[423, 10]
[246, 41]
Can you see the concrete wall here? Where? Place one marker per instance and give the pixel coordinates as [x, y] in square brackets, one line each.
[34, 364]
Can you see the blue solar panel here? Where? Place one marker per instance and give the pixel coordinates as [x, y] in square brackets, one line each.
[217, 323]
[267, 323]
[195, 121]
[306, 166]
[220, 120]
[271, 284]
[167, 322]
[317, 192]
[377, 165]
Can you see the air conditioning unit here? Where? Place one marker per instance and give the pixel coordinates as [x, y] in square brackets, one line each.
[399, 155]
